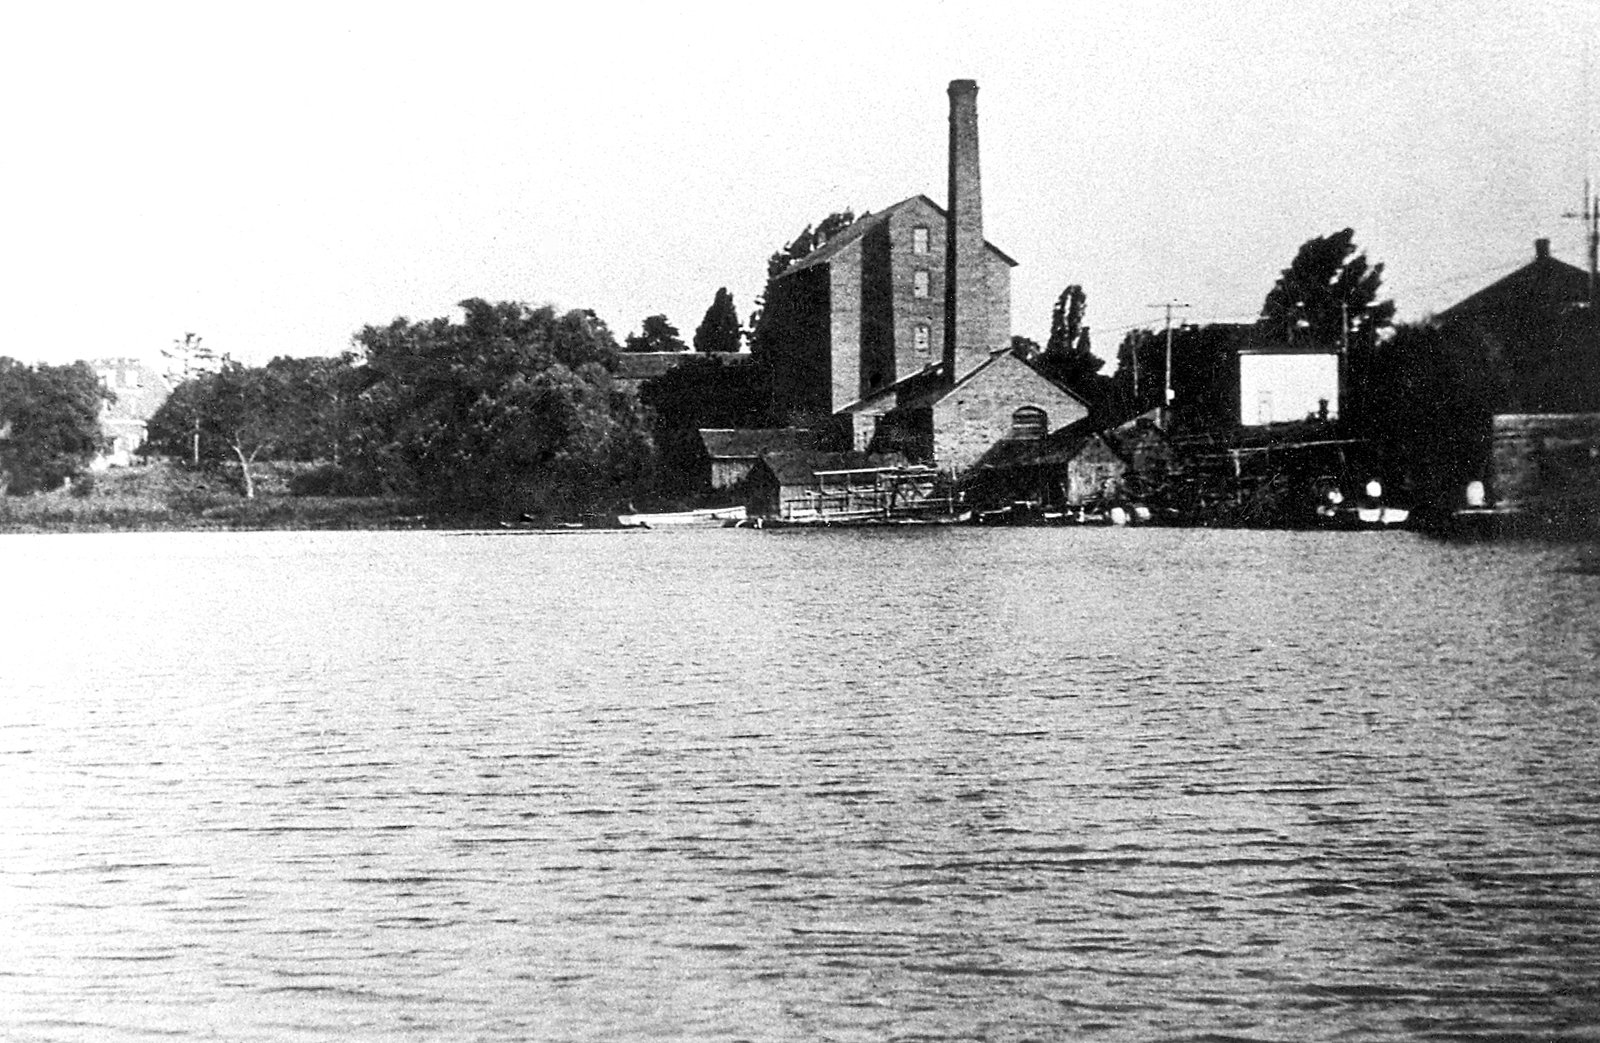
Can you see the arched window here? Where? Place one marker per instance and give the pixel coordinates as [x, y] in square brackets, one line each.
[1029, 422]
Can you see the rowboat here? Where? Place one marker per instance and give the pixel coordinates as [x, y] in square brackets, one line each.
[708, 516]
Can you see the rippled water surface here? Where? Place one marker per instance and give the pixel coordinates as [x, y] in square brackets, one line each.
[732, 785]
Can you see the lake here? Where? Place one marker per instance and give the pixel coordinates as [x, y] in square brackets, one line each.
[895, 784]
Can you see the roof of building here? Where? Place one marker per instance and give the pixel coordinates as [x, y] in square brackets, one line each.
[1542, 281]
[723, 443]
[865, 224]
[928, 386]
[801, 468]
[1055, 449]
[645, 365]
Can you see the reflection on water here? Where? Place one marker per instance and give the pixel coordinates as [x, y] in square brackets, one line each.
[960, 784]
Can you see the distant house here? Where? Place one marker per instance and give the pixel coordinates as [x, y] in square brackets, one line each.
[732, 452]
[1539, 323]
[1512, 307]
[140, 390]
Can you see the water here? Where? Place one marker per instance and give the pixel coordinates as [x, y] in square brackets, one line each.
[733, 785]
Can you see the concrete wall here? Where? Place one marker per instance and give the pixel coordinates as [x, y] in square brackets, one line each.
[976, 415]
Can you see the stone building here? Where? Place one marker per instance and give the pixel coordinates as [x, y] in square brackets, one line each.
[895, 335]
[139, 391]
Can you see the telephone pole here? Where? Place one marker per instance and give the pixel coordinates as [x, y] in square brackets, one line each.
[1166, 398]
[1590, 216]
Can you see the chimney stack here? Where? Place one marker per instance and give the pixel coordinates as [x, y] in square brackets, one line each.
[966, 298]
[1541, 249]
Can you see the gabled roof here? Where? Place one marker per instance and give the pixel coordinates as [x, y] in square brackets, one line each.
[928, 386]
[1541, 282]
[724, 443]
[861, 227]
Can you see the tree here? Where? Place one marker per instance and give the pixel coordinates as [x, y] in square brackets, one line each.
[1327, 291]
[319, 395]
[719, 331]
[656, 334]
[49, 423]
[708, 391]
[238, 411]
[512, 408]
[1067, 356]
[187, 359]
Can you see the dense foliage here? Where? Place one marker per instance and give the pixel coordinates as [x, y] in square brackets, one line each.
[514, 407]
[1424, 399]
[49, 423]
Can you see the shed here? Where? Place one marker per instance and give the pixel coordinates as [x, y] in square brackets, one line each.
[732, 452]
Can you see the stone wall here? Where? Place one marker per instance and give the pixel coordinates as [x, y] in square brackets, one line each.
[1548, 464]
[977, 414]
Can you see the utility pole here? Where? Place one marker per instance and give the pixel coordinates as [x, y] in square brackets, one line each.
[1590, 215]
[1166, 399]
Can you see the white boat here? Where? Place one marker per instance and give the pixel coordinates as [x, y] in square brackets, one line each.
[716, 516]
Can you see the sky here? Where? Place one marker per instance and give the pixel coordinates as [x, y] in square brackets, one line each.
[276, 177]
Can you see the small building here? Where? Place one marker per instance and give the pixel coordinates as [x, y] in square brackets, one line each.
[1073, 467]
[732, 452]
[953, 425]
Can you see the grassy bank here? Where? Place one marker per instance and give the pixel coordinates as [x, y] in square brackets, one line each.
[167, 496]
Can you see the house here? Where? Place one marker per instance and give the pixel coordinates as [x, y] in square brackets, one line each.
[731, 453]
[1540, 324]
[895, 334]
[139, 391]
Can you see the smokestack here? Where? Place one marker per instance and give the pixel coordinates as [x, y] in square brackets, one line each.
[1541, 249]
[966, 299]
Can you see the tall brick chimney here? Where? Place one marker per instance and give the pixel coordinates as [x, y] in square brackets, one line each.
[966, 298]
